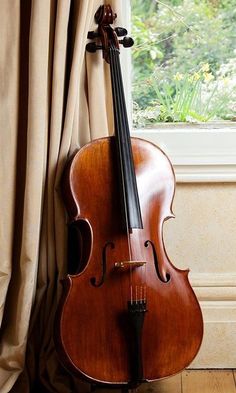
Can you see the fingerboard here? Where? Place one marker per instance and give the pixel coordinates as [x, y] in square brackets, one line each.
[127, 180]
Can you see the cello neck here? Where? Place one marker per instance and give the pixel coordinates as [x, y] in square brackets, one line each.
[127, 179]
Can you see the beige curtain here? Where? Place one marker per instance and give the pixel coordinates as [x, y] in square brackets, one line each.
[53, 99]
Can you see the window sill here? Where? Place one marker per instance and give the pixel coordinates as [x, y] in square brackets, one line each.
[204, 152]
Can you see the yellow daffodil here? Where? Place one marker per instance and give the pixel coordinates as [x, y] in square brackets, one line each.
[208, 76]
[196, 76]
[205, 67]
[178, 76]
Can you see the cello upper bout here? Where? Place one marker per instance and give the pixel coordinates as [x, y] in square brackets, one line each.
[155, 176]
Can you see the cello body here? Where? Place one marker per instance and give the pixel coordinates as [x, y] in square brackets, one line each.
[127, 314]
[94, 327]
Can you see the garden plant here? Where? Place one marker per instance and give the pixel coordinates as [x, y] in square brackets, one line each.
[184, 60]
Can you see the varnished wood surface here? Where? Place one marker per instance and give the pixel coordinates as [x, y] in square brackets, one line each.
[168, 385]
[94, 330]
[208, 381]
[191, 381]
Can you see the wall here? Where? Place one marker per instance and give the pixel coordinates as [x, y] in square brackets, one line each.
[203, 238]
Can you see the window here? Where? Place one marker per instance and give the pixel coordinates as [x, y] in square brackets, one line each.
[184, 60]
[200, 151]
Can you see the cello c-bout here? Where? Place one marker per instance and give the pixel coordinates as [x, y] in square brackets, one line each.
[127, 314]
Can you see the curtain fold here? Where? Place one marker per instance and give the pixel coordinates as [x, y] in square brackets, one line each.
[54, 98]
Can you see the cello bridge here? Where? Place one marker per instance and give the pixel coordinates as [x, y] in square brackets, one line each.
[127, 264]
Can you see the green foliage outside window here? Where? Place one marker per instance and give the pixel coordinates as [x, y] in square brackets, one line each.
[184, 60]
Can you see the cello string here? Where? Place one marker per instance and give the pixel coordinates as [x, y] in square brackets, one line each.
[120, 126]
[142, 291]
[119, 122]
[123, 125]
[127, 141]
[120, 117]
[143, 274]
[123, 136]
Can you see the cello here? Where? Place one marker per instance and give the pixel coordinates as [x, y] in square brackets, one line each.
[127, 314]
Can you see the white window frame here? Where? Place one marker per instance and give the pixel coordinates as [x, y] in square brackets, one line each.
[199, 152]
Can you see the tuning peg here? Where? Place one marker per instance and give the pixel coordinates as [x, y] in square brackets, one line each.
[92, 34]
[121, 31]
[92, 47]
[127, 42]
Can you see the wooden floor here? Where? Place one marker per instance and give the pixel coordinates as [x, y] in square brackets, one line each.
[191, 381]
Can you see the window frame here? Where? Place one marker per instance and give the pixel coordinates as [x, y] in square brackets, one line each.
[199, 152]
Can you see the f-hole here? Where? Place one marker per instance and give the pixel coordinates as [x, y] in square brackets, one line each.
[93, 280]
[79, 246]
[160, 276]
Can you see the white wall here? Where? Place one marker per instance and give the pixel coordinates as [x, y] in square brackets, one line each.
[203, 238]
